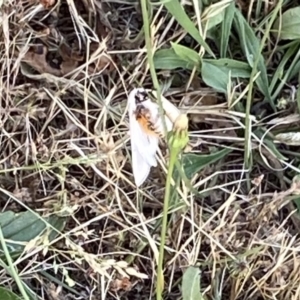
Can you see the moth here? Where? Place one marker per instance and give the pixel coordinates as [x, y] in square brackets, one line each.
[146, 128]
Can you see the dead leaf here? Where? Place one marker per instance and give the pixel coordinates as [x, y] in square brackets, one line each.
[68, 54]
[257, 180]
[23, 194]
[101, 30]
[103, 25]
[222, 124]
[209, 100]
[202, 97]
[243, 5]
[68, 66]
[36, 58]
[288, 138]
[47, 3]
[121, 284]
[102, 62]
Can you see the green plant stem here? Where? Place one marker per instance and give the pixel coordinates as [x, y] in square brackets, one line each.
[150, 60]
[13, 271]
[160, 274]
[173, 151]
[160, 277]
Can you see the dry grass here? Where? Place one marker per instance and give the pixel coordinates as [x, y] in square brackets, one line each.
[65, 74]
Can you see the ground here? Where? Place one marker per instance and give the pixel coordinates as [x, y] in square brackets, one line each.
[73, 223]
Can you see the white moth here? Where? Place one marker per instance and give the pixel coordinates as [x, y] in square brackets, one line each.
[146, 127]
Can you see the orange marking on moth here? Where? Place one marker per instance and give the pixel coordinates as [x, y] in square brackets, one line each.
[144, 123]
[143, 116]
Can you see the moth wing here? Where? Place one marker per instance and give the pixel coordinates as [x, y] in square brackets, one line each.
[143, 148]
[170, 109]
[159, 125]
[140, 168]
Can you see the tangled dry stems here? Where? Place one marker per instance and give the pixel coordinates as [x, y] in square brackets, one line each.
[66, 70]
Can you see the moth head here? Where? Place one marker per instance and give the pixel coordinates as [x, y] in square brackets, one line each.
[140, 97]
[136, 96]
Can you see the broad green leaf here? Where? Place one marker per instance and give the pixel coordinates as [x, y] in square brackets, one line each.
[167, 59]
[191, 284]
[214, 20]
[5, 218]
[214, 13]
[186, 54]
[214, 77]
[176, 10]
[287, 26]
[6, 294]
[217, 73]
[193, 163]
[234, 67]
[251, 47]
[226, 28]
[25, 226]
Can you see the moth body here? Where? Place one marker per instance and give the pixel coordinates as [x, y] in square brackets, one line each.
[146, 128]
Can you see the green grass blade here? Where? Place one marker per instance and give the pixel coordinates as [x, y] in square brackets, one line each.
[167, 59]
[287, 74]
[193, 163]
[186, 54]
[235, 67]
[251, 48]
[176, 10]
[8, 295]
[280, 70]
[224, 68]
[226, 28]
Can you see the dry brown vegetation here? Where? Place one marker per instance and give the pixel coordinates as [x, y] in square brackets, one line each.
[66, 70]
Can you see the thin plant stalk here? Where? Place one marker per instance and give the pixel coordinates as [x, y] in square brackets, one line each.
[160, 273]
[150, 55]
[160, 277]
[176, 144]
